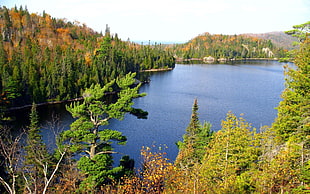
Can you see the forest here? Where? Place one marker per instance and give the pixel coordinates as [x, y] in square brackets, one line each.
[45, 59]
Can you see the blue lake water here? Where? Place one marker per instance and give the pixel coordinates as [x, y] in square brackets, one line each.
[252, 88]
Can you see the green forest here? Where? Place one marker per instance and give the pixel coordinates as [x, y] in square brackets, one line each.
[45, 59]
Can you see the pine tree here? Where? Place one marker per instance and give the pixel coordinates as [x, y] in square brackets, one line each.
[86, 135]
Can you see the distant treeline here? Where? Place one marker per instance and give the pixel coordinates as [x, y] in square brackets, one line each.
[227, 47]
[45, 59]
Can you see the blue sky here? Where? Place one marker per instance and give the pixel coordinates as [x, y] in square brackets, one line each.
[175, 20]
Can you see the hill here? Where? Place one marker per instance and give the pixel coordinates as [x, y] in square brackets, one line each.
[279, 39]
[46, 59]
[226, 47]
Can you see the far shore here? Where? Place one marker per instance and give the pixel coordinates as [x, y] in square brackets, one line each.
[154, 70]
[225, 59]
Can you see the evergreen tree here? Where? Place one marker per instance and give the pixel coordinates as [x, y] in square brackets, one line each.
[294, 109]
[86, 135]
[292, 125]
[300, 31]
[195, 140]
[36, 153]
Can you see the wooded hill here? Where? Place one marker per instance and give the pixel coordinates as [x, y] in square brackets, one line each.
[227, 47]
[45, 59]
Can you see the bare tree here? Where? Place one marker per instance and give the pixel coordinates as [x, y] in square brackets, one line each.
[10, 149]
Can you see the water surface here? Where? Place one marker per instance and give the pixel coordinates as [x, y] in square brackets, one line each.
[250, 88]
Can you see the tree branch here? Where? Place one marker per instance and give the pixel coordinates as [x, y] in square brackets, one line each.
[7, 186]
[48, 181]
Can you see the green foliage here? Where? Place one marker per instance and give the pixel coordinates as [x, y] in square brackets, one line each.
[230, 154]
[88, 138]
[300, 31]
[294, 109]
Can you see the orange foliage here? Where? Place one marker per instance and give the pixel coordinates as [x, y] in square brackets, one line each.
[16, 19]
[62, 30]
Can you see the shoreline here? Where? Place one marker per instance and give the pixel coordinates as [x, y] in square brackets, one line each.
[75, 99]
[43, 104]
[49, 103]
[226, 60]
[157, 70]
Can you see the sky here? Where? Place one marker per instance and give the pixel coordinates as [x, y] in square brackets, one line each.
[174, 20]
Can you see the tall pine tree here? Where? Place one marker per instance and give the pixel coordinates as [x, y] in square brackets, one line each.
[86, 135]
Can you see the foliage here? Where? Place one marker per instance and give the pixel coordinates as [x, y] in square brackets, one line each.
[292, 125]
[151, 178]
[29, 167]
[278, 38]
[94, 143]
[278, 170]
[294, 109]
[231, 153]
[300, 31]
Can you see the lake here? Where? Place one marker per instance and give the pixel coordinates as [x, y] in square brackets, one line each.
[251, 88]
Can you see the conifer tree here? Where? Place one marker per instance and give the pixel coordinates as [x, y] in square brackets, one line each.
[86, 135]
[195, 140]
[292, 125]
[36, 152]
[294, 109]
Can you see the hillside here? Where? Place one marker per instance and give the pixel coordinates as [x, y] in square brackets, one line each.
[226, 47]
[279, 39]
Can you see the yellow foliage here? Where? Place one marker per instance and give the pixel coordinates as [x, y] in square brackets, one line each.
[151, 178]
[88, 58]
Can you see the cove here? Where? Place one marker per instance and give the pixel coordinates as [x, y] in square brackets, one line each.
[249, 88]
